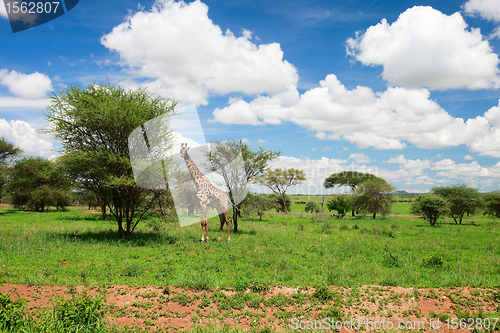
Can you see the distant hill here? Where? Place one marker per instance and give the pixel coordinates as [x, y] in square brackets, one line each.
[495, 191]
[400, 192]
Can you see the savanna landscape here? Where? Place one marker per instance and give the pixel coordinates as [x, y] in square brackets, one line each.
[71, 270]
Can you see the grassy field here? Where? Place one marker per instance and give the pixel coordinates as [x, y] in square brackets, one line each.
[300, 249]
[343, 269]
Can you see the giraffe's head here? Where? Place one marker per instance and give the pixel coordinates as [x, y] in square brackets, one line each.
[184, 149]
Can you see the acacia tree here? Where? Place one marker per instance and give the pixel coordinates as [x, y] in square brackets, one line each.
[238, 175]
[7, 154]
[374, 196]
[430, 207]
[280, 180]
[93, 126]
[461, 198]
[492, 201]
[347, 178]
[37, 183]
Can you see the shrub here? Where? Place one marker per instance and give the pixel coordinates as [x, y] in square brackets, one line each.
[492, 201]
[339, 204]
[311, 206]
[278, 203]
[430, 207]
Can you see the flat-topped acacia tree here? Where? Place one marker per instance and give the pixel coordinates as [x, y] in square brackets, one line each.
[93, 125]
[348, 178]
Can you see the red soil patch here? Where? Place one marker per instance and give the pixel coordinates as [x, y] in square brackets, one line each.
[175, 308]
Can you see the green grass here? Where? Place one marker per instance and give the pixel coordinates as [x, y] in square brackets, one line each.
[299, 249]
[80, 313]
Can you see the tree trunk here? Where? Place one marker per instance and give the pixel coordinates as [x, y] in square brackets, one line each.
[374, 214]
[120, 227]
[235, 220]
[353, 209]
[103, 210]
[284, 205]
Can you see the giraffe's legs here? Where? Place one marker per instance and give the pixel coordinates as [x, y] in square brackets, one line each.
[204, 223]
[222, 221]
[224, 218]
[206, 229]
[227, 223]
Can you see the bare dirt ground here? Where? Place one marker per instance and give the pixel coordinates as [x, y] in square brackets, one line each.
[176, 309]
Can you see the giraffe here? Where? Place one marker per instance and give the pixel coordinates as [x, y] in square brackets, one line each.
[207, 195]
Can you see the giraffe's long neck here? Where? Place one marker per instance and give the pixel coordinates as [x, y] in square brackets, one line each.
[193, 170]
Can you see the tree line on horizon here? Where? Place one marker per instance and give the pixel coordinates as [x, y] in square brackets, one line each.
[93, 125]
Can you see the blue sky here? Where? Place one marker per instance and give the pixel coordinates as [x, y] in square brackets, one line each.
[406, 90]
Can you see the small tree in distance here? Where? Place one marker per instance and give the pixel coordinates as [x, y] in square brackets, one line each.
[311, 206]
[492, 201]
[374, 196]
[278, 203]
[280, 180]
[258, 203]
[37, 183]
[339, 204]
[461, 199]
[347, 178]
[430, 207]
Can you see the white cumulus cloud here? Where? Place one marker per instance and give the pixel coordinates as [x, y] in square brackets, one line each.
[488, 9]
[382, 120]
[360, 158]
[426, 48]
[25, 137]
[185, 56]
[27, 86]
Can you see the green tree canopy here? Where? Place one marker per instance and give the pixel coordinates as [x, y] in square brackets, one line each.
[278, 203]
[492, 204]
[348, 178]
[340, 204]
[430, 207]
[280, 180]
[311, 206]
[236, 178]
[258, 203]
[37, 183]
[461, 199]
[93, 125]
[374, 196]
[8, 152]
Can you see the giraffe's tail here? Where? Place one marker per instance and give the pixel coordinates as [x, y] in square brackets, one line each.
[234, 205]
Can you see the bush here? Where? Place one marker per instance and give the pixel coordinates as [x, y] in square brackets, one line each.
[430, 207]
[278, 203]
[339, 204]
[492, 201]
[36, 183]
[311, 206]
